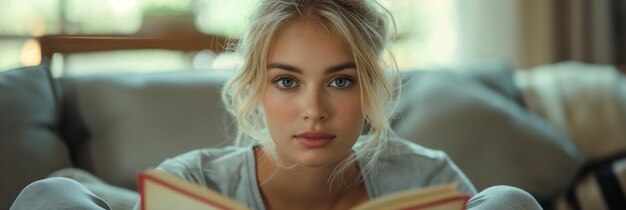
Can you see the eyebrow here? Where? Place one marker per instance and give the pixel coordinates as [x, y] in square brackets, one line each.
[329, 70]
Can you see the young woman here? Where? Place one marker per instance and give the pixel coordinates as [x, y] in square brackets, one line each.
[313, 81]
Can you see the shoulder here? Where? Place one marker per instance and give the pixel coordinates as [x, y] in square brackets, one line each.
[201, 158]
[403, 165]
[398, 148]
[206, 166]
[403, 156]
[402, 150]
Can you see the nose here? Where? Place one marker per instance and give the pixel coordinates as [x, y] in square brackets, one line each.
[314, 106]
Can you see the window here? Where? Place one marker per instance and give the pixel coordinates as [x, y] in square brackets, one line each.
[426, 32]
[425, 37]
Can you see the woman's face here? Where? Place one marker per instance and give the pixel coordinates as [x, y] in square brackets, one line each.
[312, 104]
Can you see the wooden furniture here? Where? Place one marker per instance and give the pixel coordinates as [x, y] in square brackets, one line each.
[51, 44]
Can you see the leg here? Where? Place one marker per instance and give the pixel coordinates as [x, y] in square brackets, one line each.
[503, 197]
[57, 193]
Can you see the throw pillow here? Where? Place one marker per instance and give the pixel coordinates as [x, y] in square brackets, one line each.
[29, 144]
[116, 197]
[490, 137]
[135, 121]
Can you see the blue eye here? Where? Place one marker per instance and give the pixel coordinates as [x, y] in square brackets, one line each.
[285, 82]
[341, 82]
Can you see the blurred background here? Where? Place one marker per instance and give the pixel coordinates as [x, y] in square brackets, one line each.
[553, 130]
[129, 35]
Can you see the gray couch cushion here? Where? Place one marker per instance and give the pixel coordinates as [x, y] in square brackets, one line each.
[495, 75]
[492, 139]
[498, 78]
[135, 121]
[29, 145]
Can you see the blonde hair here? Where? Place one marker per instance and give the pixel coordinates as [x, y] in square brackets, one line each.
[362, 27]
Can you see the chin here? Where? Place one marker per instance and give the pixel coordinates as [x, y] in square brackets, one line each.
[316, 159]
[328, 156]
[315, 163]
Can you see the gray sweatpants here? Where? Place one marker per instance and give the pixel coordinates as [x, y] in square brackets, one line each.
[64, 193]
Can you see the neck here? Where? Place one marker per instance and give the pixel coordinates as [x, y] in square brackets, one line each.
[307, 187]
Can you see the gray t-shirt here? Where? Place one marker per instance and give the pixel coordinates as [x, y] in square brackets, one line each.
[403, 165]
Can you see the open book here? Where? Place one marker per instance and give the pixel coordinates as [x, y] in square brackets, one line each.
[160, 190]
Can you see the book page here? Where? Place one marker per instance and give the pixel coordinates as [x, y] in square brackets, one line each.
[452, 203]
[444, 197]
[160, 190]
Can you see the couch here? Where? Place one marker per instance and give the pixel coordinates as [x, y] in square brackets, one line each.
[115, 125]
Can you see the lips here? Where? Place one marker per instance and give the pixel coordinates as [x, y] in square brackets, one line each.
[315, 139]
[315, 134]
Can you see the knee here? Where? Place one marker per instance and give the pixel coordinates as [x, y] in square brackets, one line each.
[57, 192]
[503, 197]
[51, 186]
[507, 192]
